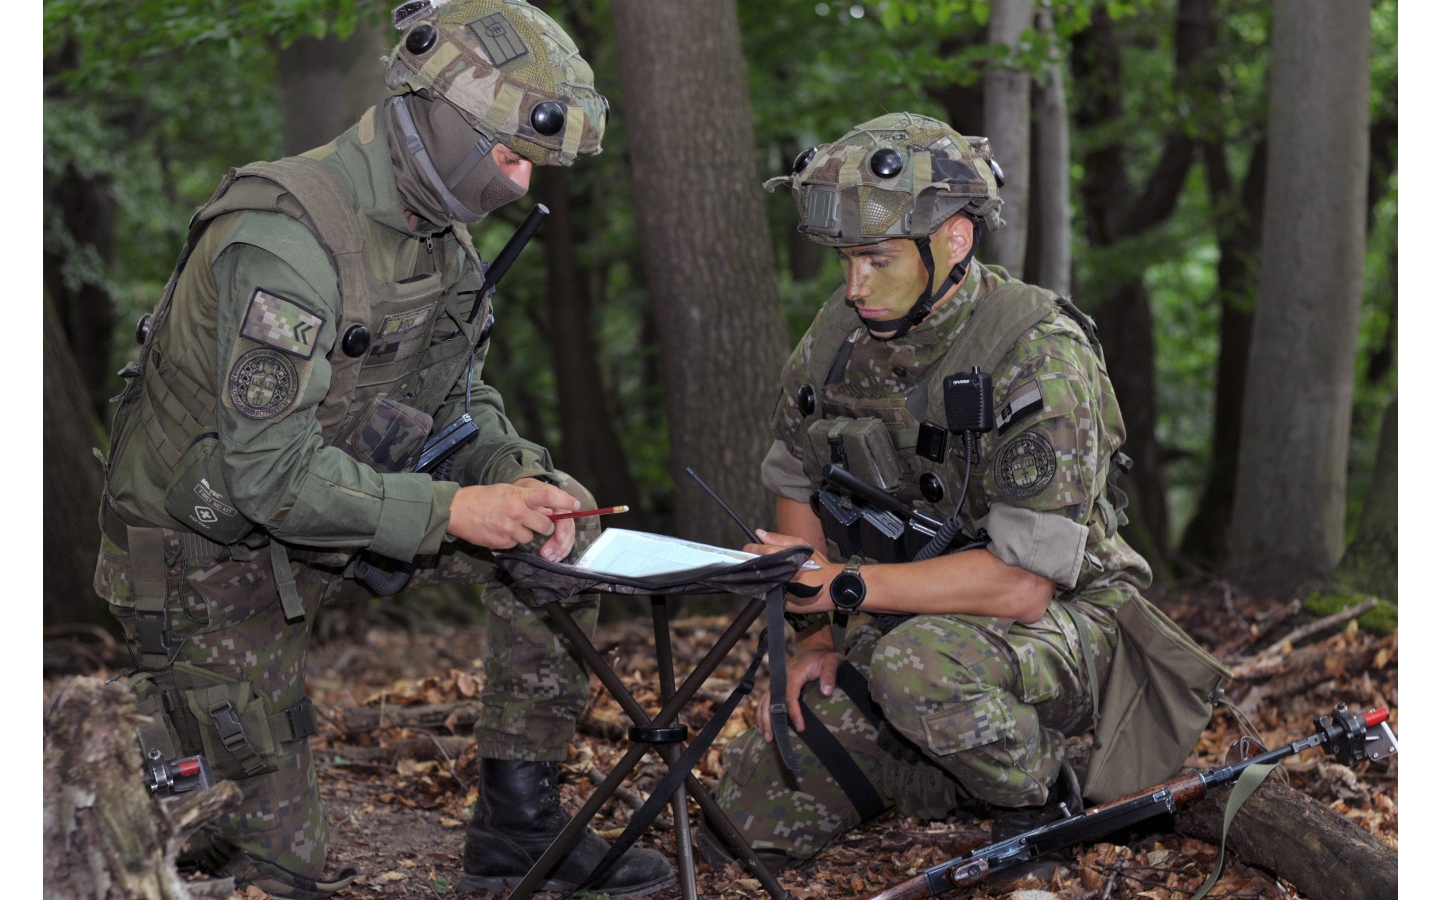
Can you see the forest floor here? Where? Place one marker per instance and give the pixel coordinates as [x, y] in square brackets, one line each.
[397, 763]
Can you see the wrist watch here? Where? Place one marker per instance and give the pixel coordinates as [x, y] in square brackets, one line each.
[847, 590]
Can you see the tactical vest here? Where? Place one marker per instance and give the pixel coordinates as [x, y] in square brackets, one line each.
[176, 415]
[998, 321]
[383, 350]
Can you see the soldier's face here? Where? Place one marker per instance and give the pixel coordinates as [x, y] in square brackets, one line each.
[883, 281]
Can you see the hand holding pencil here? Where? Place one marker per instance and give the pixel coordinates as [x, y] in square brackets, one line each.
[603, 511]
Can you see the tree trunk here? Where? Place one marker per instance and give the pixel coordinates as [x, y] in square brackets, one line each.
[589, 446]
[1372, 561]
[326, 83]
[1207, 537]
[1289, 519]
[1325, 855]
[105, 835]
[72, 486]
[86, 210]
[707, 257]
[1050, 243]
[1007, 124]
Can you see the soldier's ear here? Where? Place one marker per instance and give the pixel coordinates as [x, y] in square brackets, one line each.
[959, 233]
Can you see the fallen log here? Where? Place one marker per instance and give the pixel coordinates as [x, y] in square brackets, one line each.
[1305, 842]
[105, 836]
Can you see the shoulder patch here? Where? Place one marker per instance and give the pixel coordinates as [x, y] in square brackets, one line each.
[1019, 406]
[283, 324]
[1025, 466]
[263, 383]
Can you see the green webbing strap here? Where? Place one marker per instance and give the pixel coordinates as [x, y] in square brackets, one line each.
[285, 583]
[216, 702]
[146, 547]
[294, 723]
[1248, 781]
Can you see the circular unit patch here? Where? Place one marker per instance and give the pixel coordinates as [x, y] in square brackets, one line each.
[263, 384]
[1025, 466]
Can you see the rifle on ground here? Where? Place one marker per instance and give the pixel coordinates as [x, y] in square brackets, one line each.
[1347, 736]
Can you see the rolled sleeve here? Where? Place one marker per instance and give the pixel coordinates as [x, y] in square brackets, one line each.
[784, 475]
[1046, 544]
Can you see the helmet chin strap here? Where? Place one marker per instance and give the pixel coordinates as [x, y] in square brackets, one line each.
[926, 301]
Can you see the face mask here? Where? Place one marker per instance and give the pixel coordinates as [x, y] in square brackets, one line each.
[443, 166]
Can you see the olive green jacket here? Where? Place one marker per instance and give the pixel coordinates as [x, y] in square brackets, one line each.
[245, 354]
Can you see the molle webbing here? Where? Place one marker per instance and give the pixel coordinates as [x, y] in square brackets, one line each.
[999, 320]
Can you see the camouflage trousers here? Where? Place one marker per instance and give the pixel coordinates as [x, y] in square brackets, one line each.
[226, 632]
[971, 710]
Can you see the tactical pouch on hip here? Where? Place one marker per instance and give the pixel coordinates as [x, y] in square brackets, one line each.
[231, 724]
[384, 434]
[1160, 691]
[197, 496]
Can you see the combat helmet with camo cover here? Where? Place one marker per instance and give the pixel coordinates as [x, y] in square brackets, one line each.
[900, 175]
[509, 69]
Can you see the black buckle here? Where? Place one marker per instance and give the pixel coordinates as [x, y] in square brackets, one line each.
[151, 628]
[227, 724]
[300, 718]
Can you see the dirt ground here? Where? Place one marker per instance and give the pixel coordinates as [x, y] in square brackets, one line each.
[398, 772]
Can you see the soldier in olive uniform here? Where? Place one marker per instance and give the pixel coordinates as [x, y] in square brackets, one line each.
[325, 320]
[973, 665]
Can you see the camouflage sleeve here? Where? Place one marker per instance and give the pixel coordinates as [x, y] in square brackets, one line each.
[278, 305]
[1045, 458]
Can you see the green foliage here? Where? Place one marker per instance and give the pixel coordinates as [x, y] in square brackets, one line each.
[157, 99]
[1383, 619]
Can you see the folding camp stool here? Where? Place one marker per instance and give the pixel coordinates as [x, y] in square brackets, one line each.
[761, 579]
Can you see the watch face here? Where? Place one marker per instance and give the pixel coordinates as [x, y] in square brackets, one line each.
[847, 590]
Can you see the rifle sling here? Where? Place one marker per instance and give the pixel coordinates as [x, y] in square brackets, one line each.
[833, 755]
[1245, 785]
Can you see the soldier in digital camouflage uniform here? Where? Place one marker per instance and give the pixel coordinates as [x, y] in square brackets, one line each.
[324, 321]
[979, 662]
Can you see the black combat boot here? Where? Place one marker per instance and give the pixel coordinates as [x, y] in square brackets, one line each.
[1063, 801]
[518, 815]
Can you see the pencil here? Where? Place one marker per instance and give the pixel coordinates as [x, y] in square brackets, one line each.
[555, 517]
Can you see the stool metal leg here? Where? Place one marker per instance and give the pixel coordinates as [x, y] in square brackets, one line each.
[670, 710]
[684, 849]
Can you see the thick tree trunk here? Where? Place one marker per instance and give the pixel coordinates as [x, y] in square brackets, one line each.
[589, 445]
[72, 486]
[1007, 124]
[1207, 537]
[708, 262]
[326, 83]
[1050, 242]
[105, 836]
[1289, 519]
[1325, 855]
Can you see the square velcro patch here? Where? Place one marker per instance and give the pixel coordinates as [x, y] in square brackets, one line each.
[501, 41]
[283, 324]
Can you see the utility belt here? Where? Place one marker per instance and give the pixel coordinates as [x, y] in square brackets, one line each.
[153, 549]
